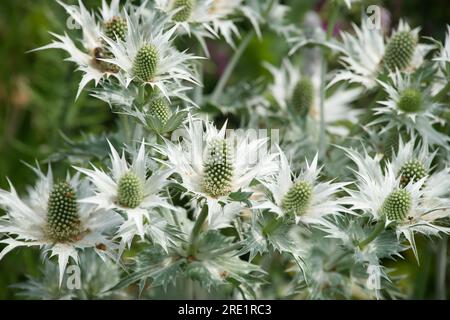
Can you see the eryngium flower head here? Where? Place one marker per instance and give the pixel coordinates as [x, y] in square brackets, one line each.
[303, 96]
[62, 213]
[130, 190]
[160, 109]
[51, 216]
[412, 170]
[410, 101]
[397, 205]
[116, 28]
[218, 169]
[400, 50]
[146, 62]
[185, 9]
[298, 197]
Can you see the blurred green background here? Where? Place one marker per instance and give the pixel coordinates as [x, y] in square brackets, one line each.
[38, 107]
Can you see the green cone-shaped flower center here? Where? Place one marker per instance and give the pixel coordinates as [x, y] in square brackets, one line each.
[63, 223]
[412, 170]
[397, 205]
[391, 143]
[160, 108]
[219, 168]
[400, 50]
[186, 11]
[116, 28]
[146, 62]
[303, 96]
[410, 100]
[297, 199]
[130, 190]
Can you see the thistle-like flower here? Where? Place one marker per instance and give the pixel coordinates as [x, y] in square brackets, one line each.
[411, 107]
[366, 54]
[444, 50]
[127, 189]
[148, 57]
[300, 94]
[302, 196]
[208, 18]
[383, 194]
[51, 216]
[90, 58]
[212, 166]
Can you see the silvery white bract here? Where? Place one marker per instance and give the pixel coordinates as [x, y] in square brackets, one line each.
[292, 162]
[127, 189]
[245, 159]
[27, 222]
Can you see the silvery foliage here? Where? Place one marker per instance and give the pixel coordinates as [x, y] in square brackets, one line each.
[319, 216]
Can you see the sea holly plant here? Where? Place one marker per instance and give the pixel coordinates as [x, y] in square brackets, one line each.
[314, 172]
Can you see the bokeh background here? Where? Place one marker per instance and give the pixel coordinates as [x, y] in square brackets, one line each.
[39, 116]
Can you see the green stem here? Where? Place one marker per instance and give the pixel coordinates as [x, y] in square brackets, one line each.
[192, 251]
[441, 271]
[218, 90]
[379, 227]
[271, 226]
[323, 72]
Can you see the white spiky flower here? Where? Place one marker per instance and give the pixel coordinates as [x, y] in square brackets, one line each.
[53, 218]
[212, 165]
[410, 106]
[89, 57]
[208, 18]
[411, 208]
[148, 57]
[127, 189]
[444, 50]
[302, 196]
[366, 54]
[300, 94]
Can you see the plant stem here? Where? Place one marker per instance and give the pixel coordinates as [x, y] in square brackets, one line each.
[192, 251]
[323, 72]
[379, 227]
[218, 90]
[441, 271]
[271, 226]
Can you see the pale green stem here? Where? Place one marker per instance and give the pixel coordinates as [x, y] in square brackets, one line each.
[441, 271]
[218, 90]
[379, 227]
[192, 251]
[323, 72]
